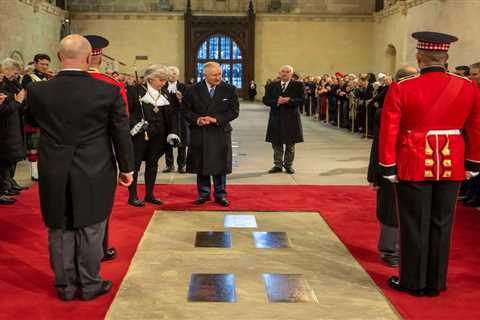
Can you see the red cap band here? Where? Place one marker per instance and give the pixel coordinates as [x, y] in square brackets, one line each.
[433, 46]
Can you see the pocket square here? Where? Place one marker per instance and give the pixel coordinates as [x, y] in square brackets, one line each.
[225, 99]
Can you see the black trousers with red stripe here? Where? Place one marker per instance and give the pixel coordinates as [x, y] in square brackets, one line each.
[426, 211]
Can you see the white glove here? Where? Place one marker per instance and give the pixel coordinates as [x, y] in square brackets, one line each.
[173, 140]
[470, 174]
[392, 179]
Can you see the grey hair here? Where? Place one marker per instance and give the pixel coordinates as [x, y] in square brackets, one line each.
[156, 71]
[10, 63]
[174, 69]
[287, 67]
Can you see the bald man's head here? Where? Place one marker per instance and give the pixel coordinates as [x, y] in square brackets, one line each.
[75, 52]
[404, 72]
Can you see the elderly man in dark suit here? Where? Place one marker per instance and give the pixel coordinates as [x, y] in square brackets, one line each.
[80, 119]
[284, 130]
[209, 106]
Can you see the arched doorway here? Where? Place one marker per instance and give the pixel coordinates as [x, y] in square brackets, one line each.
[224, 50]
[391, 59]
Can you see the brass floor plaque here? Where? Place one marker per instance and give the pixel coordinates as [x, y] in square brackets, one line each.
[212, 288]
[213, 239]
[271, 240]
[288, 288]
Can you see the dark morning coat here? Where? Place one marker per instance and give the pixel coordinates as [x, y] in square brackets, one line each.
[83, 125]
[181, 123]
[284, 123]
[12, 148]
[210, 148]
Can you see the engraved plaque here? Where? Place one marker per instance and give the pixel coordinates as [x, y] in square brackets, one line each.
[213, 239]
[288, 288]
[271, 240]
[212, 288]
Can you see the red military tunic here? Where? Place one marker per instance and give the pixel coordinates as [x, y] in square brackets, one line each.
[95, 73]
[430, 127]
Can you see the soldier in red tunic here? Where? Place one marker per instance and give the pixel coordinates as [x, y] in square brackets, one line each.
[429, 143]
[98, 43]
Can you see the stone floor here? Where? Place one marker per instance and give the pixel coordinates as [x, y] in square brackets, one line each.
[333, 285]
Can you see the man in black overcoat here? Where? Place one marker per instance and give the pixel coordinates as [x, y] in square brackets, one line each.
[209, 106]
[284, 130]
[80, 118]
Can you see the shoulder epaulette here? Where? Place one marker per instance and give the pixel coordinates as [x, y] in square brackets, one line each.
[413, 76]
[459, 76]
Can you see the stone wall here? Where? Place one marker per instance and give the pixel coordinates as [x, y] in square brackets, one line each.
[261, 6]
[158, 36]
[28, 27]
[396, 24]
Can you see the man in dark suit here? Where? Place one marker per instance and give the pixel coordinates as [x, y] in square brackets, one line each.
[209, 106]
[176, 90]
[284, 98]
[80, 118]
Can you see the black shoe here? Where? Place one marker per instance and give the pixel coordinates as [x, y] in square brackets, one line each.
[67, 296]
[136, 202]
[18, 187]
[290, 170]
[430, 292]
[11, 192]
[394, 283]
[153, 200]
[201, 200]
[275, 170]
[472, 202]
[391, 261]
[106, 288]
[34, 179]
[182, 170]
[168, 169]
[223, 202]
[110, 254]
[4, 200]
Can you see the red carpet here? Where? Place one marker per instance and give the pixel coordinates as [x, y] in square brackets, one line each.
[26, 290]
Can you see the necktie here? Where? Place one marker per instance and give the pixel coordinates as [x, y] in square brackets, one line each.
[284, 86]
[212, 92]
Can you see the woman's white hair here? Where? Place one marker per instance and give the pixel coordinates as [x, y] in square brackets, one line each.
[156, 71]
[287, 67]
[10, 63]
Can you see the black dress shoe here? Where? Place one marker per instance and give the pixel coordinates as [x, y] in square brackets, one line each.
[136, 202]
[430, 292]
[182, 170]
[11, 192]
[4, 200]
[67, 296]
[394, 283]
[223, 202]
[472, 202]
[391, 261]
[168, 169]
[201, 200]
[275, 170]
[290, 170]
[18, 187]
[106, 288]
[110, 254]
[153, 200]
